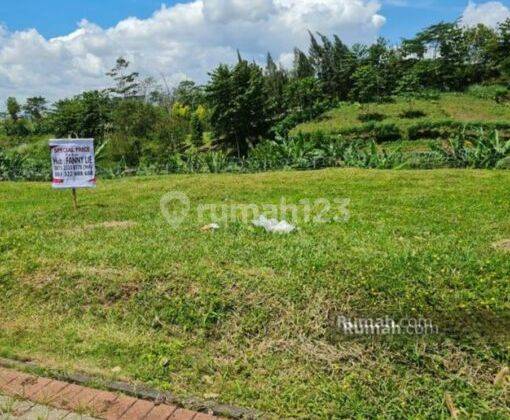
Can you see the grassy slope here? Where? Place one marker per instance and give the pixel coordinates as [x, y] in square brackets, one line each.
[456, 106]
[243, 314]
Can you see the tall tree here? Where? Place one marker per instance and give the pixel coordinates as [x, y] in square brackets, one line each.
[482, 43]
[85, 115]
[446, 44]
[368, 84]
[503, 49]
[334, 65]
[197, 130]
[302, 67]
[13, 108]
[188, 93]
[35, 107]
[275, 81]
[237, 99]
[126, 83]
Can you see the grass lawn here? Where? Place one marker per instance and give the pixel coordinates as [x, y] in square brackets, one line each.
[241, 316]
[455, 106]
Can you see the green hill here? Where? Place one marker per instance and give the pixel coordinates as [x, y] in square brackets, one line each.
[433, 118]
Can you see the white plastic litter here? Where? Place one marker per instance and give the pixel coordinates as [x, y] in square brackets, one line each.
[273, 225]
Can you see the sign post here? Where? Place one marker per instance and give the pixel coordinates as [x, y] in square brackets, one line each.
[73, 165]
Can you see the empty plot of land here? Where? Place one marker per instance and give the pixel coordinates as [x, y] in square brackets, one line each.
[241, 316]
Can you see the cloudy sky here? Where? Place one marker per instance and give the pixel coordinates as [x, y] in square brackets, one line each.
[57, 48]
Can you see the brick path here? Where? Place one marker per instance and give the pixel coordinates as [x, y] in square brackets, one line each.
[78, 399]
[11, 408]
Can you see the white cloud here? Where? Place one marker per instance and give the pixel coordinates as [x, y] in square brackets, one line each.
[183, 40]
[225, 11]
[490, 13]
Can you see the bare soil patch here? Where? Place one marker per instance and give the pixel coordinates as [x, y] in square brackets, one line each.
[503, 245]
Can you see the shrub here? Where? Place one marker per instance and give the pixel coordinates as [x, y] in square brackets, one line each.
[386, 132]
[17, 128]
[14, 167]
[380, 132]
[298, 116]
[429, 129]
[371, 116]
[126, 149]
[360, 156]
[503, 163]
[484, 152]
[214, 162]
[448, 128]
[265, 156]
[411, 114]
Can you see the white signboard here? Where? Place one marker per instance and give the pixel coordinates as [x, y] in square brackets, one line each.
[73, 163]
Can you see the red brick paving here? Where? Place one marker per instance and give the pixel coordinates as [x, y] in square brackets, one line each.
[33, 387]
[182, 414]
[121, 405]
[139, 410]
[202, 416]
[81, 399]
[159, 412]
[102, 404]
[63, 398]
[46, 394]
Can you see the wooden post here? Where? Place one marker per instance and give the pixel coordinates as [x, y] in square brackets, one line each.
[75, 200]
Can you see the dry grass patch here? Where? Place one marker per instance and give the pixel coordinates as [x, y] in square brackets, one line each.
[125, 224]
[503, 245]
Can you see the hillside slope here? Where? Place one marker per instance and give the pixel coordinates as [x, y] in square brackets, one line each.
[448, 109]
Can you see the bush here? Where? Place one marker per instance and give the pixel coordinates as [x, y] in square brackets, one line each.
[411, 114]
[484, 152]
[214, 162]
[380, 132]
[503, 163]
[124, 149]
[299, 116]
[17, 128]
[14, 167]
[263, 157]
[430, 129]
[371, 116]
[447, 128]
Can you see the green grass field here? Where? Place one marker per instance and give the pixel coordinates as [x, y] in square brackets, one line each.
[450, 106]
[241, 316]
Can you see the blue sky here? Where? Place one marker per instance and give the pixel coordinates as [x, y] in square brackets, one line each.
[58, 17]
[405, 18]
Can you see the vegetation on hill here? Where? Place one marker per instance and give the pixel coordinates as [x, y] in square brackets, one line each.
[446, 112]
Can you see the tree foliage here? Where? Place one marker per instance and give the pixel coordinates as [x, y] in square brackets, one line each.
[237, 98]
[35, 107]
[13, 108]
[87, 116]
[126, 83]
